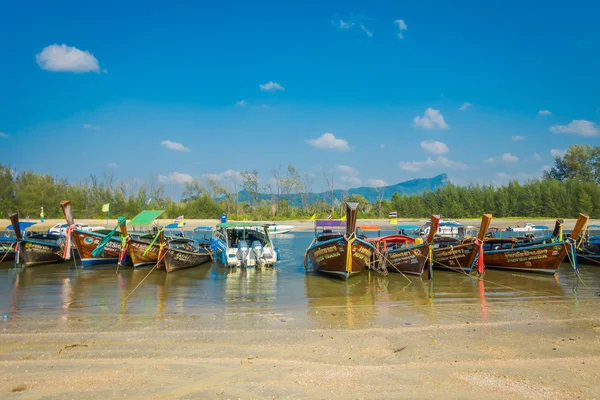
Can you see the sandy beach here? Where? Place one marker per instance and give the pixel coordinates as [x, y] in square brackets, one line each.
[533, 350]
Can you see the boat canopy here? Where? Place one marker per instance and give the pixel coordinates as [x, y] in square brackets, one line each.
[541, 227]
[22, 225]
[408, 227]
[146, 217]
[241, 224]
[173, 225]
[450, 223]
[203, 228]
[369, 227]
[330, 222]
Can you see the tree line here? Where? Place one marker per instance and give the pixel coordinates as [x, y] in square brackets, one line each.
[570, 187]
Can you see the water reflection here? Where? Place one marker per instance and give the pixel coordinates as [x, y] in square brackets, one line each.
[62, 290]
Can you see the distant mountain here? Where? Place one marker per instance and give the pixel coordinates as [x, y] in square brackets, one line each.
[413, 186]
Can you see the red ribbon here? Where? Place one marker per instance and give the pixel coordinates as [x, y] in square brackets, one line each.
[67, 249]
[480, 265]
[124, 251]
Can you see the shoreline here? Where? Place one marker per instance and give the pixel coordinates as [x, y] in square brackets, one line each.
[308, 226]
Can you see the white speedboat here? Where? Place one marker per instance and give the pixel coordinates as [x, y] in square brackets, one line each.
[529, 227]
[276, 229]
[243, 244]
[448, 228]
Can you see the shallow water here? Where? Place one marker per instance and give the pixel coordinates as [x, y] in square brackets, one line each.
[64, 290]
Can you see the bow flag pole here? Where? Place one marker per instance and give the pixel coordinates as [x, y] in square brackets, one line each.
[106, 209]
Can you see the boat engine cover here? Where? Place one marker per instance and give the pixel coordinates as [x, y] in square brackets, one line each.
[242, 251]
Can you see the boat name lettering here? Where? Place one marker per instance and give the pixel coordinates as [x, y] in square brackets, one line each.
[39, 248]
[526, 255]
[325, 250]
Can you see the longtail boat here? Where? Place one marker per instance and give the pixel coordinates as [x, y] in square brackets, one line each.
[182, 253]
[8, 241]
[404, 254]
[588, 247]
[339, 254]
[38, 248]
[141, 250]
[94, 247]
[542, 255]
[466, 256]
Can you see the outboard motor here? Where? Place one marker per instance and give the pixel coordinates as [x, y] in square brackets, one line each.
[257, 252]
[242, 253]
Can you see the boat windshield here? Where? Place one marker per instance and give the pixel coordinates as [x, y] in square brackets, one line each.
[249, 234]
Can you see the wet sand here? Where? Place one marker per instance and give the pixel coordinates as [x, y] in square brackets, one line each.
[530, 350]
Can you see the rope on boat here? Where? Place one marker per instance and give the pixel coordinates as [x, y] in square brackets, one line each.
[480, 278]
[152, 242]
[9, 248]
[574, 264]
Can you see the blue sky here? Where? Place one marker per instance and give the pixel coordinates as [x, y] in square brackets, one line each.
[387, 92]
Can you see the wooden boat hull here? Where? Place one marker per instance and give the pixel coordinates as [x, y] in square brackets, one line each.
[176, 259]
[461, 258]
[331, 257]
[588, 259]
[408, 260]
[542, 258]
[33, 253]
[86, 242]
[136, 249]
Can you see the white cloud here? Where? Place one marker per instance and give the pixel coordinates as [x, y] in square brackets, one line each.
[271, 87]
[433, 119]
[434, 147]
[503, 176]
[441, 161]
[329, 141]
[366, 31]
[347, 170]
[577, 127]
[241, 103]
[174, 145]
[517, 138]
[112, 164]
[351, 180]
[90, 126]
[345, 24]
[537, 157]
[544, 112]
[557, 153]
[65, 58]
[175, 177]
[3, 135]
[376, 183]
[264, 106]
[401, 26]
[382, 146]
[465, 106]
[507, 157]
